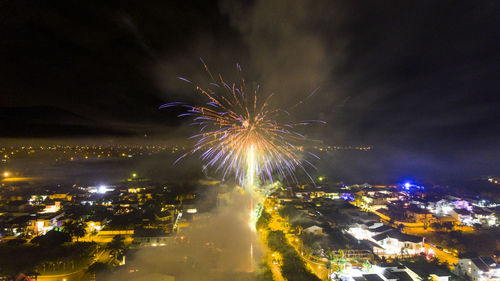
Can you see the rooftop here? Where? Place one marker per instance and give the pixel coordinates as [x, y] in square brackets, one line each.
[398, 235]
[485, 263]
[372, 277]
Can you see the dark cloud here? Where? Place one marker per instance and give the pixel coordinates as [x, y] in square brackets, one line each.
[416, 77]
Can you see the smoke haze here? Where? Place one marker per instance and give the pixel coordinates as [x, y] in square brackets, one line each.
[215, 246]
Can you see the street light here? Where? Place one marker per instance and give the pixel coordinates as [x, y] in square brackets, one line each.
[6, 174]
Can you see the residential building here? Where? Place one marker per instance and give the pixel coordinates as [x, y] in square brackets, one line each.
[395, 243]
[479, 269]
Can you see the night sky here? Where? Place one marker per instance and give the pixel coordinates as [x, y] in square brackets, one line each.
[417, 80]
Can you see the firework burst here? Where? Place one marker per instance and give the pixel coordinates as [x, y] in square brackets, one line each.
[242, 135]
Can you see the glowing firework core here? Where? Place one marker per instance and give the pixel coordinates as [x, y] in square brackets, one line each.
[250, 166]
[241, 135]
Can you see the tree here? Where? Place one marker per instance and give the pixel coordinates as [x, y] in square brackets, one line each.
[116, 246]
[276, 240]
[436, 225]
[51, 238]
[98, 268]
[16, 242]
[263, 220]
[401, 227]
[69, 227]
[367, 266]
[332, 259]
[74, 228]
[80, 231]
[448, 225]
[264, 273]
[288, 211]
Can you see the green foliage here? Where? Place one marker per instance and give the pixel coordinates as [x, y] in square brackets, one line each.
[117, 245]
[99, 268]
[263, 273]
[31, 258]
[314, 242]
[336, 237]
[276, 240]
[75, 228]
[448, 225]
[367, 266]
[16, 242]
[52, 238]
[263, 221]
[293, 267]
[473, 243]
[288, 211]
[117, 242]
[126, 221]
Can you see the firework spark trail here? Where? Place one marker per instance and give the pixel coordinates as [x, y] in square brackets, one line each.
[241, 135]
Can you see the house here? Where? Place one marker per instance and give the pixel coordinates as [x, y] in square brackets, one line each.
[379, 230]
[479, 269]
[485, 216]
[434, 272]
[373, 247]
[316, 230]
[385, 240]
[372, 277]
[462, 215]
[395, 243]
[14, 224]
[43, 223]
[386, 272]
[420, 215]
[151, 238]
[367, 230]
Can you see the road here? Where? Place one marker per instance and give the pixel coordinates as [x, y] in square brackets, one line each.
[279, 223]
[318, 268]
[442, 255]
[275, 268]
[72, 276]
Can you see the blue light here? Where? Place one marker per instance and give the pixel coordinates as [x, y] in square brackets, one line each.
[407, 185]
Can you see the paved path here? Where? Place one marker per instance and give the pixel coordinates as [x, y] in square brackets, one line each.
[72, 276]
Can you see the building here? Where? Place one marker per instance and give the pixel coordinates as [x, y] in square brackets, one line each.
[462, 215]
[485, 216]
[384, 272]
[479, 269]
[395, 243]
[385, 240]
[44, 223]
[316, 230]
[93, 226]
[151, 238]
[362, 231]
